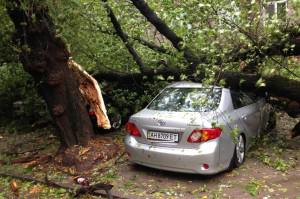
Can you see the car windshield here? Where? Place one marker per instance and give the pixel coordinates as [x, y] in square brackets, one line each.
[187, 100]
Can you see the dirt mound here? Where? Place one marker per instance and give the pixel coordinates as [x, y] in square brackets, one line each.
[82, 159]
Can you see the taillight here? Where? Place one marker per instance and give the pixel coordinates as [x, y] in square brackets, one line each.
[203, 135]
[132, 129]
[91, 113]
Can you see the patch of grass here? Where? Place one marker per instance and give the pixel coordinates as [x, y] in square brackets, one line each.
[129, 184]
[277, 163]
[14, 168]
[109, 176]
[201, 189]
[5, 158]
[168, 192]
[217, 194]
[253, 187]
[27, 189]
[272, 151]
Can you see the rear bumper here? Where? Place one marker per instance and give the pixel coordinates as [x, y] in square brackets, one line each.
[176, 159]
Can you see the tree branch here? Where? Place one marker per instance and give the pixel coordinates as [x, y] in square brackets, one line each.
[92, 189]
[234, 80]
[139, 39]
[274, 84]
[160, 25]
[192, 59]
[138, 60]
[128, 78]
[151, 45]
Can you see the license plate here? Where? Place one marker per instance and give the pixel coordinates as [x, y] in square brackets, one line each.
[163, 137]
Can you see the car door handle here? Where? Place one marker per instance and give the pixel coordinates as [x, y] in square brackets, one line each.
[244, 117]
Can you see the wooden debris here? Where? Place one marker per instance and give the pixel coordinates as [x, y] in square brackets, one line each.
[92, 189]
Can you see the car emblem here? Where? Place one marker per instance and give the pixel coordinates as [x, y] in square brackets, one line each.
[161, 122]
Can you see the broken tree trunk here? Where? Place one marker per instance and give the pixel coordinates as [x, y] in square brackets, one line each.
[91, 91]
[46, 57]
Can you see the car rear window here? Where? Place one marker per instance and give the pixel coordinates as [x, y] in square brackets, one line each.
[187, 100]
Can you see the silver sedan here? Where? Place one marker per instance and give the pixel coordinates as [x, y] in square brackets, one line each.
[192, 128]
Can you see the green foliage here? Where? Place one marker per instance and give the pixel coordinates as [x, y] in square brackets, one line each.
[109, 176]
[234, 134]
[211, 29]
[127, 101]
[7, 49]
[18, 97]
[253, 187]
[271, 150]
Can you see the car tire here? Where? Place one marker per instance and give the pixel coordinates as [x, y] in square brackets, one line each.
[239, 153]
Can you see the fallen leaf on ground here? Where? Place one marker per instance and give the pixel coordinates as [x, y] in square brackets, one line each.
[35, 189]
[84, 151]
[14, 186]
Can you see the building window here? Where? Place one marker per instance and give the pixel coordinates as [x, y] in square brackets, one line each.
[276, 9]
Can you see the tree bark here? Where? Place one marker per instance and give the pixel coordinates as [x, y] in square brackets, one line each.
[275, 85]
[160, 25]
[235, 80]
[46, 58]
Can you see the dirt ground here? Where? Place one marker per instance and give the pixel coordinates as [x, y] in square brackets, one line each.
[253, 180]
[271, 170]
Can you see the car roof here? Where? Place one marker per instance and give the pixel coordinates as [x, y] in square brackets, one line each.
[185, 84]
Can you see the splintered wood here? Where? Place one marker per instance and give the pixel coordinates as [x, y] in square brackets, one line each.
[92, 93]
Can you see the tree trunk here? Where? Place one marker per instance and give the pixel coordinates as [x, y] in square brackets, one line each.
[275, 85]
[46, 58]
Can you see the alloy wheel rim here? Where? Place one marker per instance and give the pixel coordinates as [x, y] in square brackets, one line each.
[240, 149]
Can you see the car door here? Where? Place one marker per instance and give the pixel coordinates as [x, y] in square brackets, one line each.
[248, 113]
[252, 116]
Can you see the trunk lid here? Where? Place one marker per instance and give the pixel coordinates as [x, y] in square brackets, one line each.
[169, 129]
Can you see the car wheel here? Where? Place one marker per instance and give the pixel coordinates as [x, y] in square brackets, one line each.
[239, 153]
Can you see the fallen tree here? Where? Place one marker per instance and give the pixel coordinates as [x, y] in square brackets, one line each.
[278, 86]
[65, 87]
[236, 80]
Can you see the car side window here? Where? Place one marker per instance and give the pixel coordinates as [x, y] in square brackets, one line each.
[240, 99]
[245, 99]
[236, 99]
